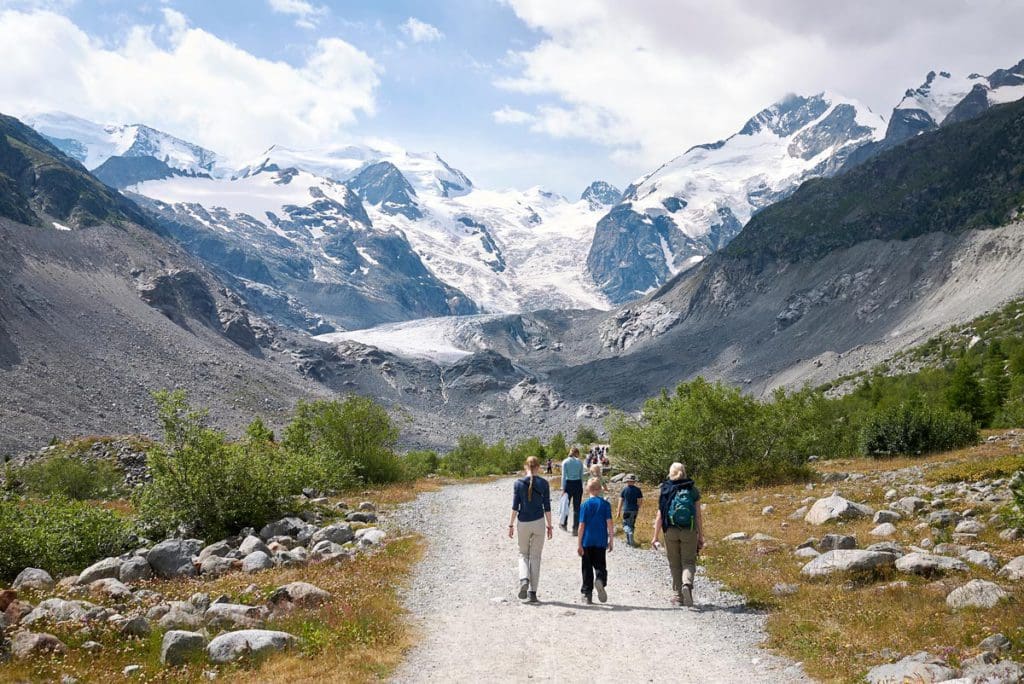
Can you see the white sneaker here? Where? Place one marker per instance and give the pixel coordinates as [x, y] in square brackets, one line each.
[524, 587]
[686, 596]
[602, 595]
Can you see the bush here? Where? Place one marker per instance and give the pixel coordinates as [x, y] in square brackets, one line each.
[913, 428]
[70, 476]
[585, 436]
[344, 443]
[419, 464]
[205, 484]
[60, 536]
[1016, 509]
[473, 457]
[557, 449]
[724, 438]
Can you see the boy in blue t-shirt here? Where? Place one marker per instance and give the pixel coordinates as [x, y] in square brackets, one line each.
[597, 535]
[629, 508]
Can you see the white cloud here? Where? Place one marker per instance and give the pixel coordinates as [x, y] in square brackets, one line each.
[306, 14]
[186, 81]
[420, 31]
[649, 78]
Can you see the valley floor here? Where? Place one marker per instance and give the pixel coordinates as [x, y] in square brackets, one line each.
[472, 628]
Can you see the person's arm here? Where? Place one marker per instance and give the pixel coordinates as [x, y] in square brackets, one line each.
[618, 509]
[547, 509]
[611, 532]
[563, 474]
[579, 543]
[515, 509]
[700, 527]
[656, 542]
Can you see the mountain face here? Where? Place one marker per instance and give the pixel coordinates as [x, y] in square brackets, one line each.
[694, 205]
[600, 194]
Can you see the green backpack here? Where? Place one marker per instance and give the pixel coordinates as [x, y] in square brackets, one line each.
[682, 512]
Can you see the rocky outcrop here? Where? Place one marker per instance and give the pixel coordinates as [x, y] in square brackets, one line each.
[248, 644]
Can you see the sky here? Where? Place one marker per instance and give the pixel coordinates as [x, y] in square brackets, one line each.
[515, 93]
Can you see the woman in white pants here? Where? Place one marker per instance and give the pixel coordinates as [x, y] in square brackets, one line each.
[531, 506]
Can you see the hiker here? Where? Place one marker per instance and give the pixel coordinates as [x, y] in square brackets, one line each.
[679, 518]
[572, 484]
[597, 535]
[628, 511]
[548, 466]
[531, 504]
[597, 473]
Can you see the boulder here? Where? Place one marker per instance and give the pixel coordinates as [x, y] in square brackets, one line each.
[234, 616]
[921, 668]
[30, 644]
[33, 579]
[173, 558]
[1014, 570]
[887, 547]
[806, 552]
[135, 569]
[910, 505]
[835, 507]
[883, 530]
[256, 561]
[248, 643]
[367, 506]
[339, 533]
[373, 536]
[215, 566]
[943, 518]
[929, 564]
[180, 647]
[997, 643]
[58, 610]
[108, 567]
[16, 611]
[361, 516]
[831, 542]
[969, 527]
[982, 558]
[250, 544]
[179, 619]
[886, 517]
[221, 548]
[136, 627]
[110, 588]
[976, 594]
[847, 561]
[1002, 672]
[285, 527]
[301, 594]
[799, 513]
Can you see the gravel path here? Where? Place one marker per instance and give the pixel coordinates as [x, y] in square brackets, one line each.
[474, 629]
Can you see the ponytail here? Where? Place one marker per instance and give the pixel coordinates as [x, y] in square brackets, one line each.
[531, 465]
[529, 494]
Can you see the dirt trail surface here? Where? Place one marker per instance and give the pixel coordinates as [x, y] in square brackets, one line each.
[474, 629]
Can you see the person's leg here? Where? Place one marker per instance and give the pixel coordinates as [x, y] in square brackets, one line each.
[688, 563]
[629, 525]
[575, 488]
[598, 559]
[673, 546]
[539, 527]
[588, 572]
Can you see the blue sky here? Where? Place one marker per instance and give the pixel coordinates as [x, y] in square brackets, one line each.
[513, 92]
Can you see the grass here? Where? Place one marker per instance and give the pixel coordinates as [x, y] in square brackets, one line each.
[840, 628]
[360, 636]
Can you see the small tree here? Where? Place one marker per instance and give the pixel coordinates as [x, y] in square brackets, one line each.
[586, 435]
[557, 448]
[964, 391]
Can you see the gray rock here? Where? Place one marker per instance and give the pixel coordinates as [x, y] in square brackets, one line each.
[291, 559]
[135, 569]
[799, 513]
[91, 646]
[883, 530]
[969, 527]
[325, 548]
[806, 552]
[847, 561]
[1004, 672]
[234, 616]
[58, 610]
[1014, 570]
[767, 510]
[180, 647]
[886, 517]
[736, 536]
[179, 619]
[832, 542]
[929, 564]
[199, 601]
[810, 542]
[361, 516]
[173, 558]
[943, 518]
[249, 643]
[976, 594]
[33, 579]
[285, 527]
[221, 549]
[302, 594]
[136, 627]
[887, 547]
[982, 558]
[367, 506]
[215, 566]
[111, 588]
[256, 561]
[108, 567]
[339, 533]
[373, 536]
[835, 507]
[920, 668]
[131, 670]
[910, 505]
[252, 543]
[783, 589]
[1011, 534]
[30, 644]
[997, 643]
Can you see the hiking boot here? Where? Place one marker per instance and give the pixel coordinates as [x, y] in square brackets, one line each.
[686, 596]
[629, 539]
[588, 599]
[602, 595]
[564, 526]
[533, 598]
[524, 585]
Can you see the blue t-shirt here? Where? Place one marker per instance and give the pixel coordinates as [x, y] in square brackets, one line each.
[631, 496]
[595, 514]
[531, 508]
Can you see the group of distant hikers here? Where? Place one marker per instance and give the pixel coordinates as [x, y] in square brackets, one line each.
[678, 520]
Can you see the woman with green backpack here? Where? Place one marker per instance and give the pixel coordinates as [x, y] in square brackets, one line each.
[679, 518]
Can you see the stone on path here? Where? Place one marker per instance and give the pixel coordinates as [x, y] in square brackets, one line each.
[976, 594]
[248, 643]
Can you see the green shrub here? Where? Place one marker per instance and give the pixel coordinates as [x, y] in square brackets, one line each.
[557, 449]
[914, 428]
[585, 436]
[474, 457]
[60, 536]
[344, 442]
[419, 464]
[723, 437]
[205, 484]
[1016, 508]
[70, 476]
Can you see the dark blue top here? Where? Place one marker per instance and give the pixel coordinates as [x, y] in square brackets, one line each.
[594, 515]
[531, 509]
[669, 489]
[631, 496]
